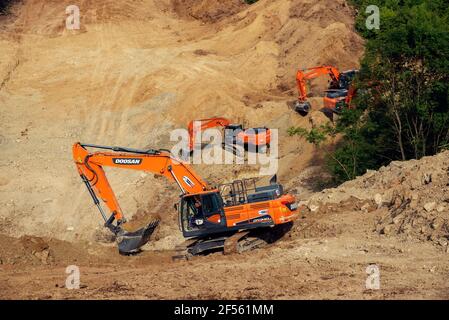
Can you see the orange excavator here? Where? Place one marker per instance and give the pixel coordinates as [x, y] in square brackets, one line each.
[338, 87]
[234, 133]
[236, 216]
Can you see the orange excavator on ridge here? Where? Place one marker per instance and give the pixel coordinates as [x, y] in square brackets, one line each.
[340, 87]
[258, 137]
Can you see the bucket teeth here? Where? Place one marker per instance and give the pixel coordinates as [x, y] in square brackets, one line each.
[302, 107]
[131, 242]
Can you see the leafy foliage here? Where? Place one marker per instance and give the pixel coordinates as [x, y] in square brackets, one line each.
[315, 135]
[403, 89]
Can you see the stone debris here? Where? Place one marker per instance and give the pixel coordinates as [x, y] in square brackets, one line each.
[415, 195]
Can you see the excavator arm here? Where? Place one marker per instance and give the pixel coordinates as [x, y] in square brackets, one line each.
[90, 167]
[303, 76]
[204, 125]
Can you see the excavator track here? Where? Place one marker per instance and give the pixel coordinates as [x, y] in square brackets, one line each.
[238, 242]
[182, 250]
[250, 243]
[231, 243]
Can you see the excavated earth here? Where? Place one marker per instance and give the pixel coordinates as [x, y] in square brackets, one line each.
[137, 70]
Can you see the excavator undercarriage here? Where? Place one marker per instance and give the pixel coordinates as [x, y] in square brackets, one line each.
[231, 243]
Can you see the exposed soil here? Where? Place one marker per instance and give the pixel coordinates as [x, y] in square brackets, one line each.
[325, 256]
[208, 11]
[137, 70]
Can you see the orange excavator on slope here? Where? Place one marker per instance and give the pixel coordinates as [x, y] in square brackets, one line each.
[259, 137]
[213, 218]
[338, 87]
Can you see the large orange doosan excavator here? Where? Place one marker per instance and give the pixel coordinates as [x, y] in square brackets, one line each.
[340, 88]
[235, 216]
[258, 137]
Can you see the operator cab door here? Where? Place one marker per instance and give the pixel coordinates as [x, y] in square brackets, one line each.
[201, 214]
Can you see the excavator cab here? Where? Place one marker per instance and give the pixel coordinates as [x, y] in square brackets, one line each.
[201, 214]
[346, 78]
[235, 127]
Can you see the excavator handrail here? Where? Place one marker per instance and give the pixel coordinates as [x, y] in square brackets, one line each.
[122, 149]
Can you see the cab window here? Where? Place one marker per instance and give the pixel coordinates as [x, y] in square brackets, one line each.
[189, 212]
[211, 204]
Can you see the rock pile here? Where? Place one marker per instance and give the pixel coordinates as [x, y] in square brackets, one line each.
[413, 194]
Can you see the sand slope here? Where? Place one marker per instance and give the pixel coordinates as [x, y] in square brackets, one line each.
[138, 69]
[135, 71]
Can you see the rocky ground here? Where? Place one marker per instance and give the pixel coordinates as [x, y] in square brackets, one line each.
[396, 219]
[413, 196]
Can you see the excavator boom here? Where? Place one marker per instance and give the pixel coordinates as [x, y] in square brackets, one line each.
[205, 124]
[303, 75]
[90, 167]
[302, 105]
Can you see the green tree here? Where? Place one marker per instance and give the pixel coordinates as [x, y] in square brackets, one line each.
[403, 88]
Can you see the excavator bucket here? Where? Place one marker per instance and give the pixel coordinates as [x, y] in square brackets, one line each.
[302, 108]
[131, 242]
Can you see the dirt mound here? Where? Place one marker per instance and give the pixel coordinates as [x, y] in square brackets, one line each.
[412, 197]
[26, 250]
[208, 11]
[35, 251]
[324, 28]
[306, 33]
[37, 17]
[418, 200]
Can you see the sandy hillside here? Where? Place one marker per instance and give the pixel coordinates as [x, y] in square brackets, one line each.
[135, 71]
[138, 69]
